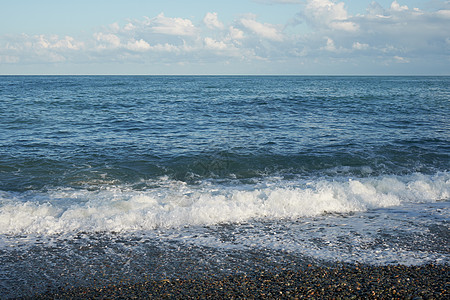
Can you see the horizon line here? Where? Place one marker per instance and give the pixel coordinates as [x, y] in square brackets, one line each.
[256, 75]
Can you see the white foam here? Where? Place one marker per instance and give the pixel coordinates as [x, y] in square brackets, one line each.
[176, 204]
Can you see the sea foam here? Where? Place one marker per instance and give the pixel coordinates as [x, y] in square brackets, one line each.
[176, 204]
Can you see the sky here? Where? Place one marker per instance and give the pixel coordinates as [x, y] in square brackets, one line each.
[207, 37]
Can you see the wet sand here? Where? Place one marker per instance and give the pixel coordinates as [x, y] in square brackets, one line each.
[344, 281]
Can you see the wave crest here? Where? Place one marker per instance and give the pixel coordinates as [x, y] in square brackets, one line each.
[175, 204]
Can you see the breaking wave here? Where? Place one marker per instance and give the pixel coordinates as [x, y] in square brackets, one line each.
[172, 204]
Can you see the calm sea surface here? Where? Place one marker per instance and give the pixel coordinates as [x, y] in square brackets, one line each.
[104, 177]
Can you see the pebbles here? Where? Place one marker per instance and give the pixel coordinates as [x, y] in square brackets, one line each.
[310, 281]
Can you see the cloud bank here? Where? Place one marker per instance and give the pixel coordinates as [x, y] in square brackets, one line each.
[319, 33]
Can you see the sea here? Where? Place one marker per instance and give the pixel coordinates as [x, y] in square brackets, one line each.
[113, 179]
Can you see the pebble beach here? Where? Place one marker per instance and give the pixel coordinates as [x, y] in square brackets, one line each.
[340, 281]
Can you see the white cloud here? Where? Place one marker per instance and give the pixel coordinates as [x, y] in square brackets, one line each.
[129, 27]
[267, 31]
[327, 13]
[40, 48]
[395, 6]
[54, 42]
[344, 26]
[68, 43]
[42, 42]
[140, 45]
[171, 26]
[165, 48]
[114, 27]
[400, 59]
[212, 21]
[326, 10]
[443, 13]
[330, 45]
[360, 46]
[375, 10]
[213, 44]
[236, 34]
[394, 34]
[108, 40]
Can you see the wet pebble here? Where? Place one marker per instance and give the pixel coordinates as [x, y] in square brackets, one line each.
[311, 281]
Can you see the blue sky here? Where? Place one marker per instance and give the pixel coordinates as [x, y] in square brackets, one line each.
[305, 37]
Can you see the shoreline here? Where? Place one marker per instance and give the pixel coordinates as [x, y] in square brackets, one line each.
[310, 281]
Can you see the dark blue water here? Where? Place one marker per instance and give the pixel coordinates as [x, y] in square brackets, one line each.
[191, 159]
[58, 131]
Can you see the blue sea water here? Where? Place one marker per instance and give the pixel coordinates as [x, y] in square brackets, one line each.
[150, 173]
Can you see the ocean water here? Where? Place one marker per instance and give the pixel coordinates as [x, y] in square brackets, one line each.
[125, 178]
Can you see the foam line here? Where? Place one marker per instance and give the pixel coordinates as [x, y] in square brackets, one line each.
[174, 204]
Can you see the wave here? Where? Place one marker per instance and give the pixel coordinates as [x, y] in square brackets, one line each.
[173, 204]
[24, 173]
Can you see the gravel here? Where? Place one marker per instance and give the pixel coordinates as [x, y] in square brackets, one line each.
[338, 281]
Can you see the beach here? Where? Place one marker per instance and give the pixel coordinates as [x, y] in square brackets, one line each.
[339, 281]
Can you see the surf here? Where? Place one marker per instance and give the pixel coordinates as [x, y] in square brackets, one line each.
[175, 204]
